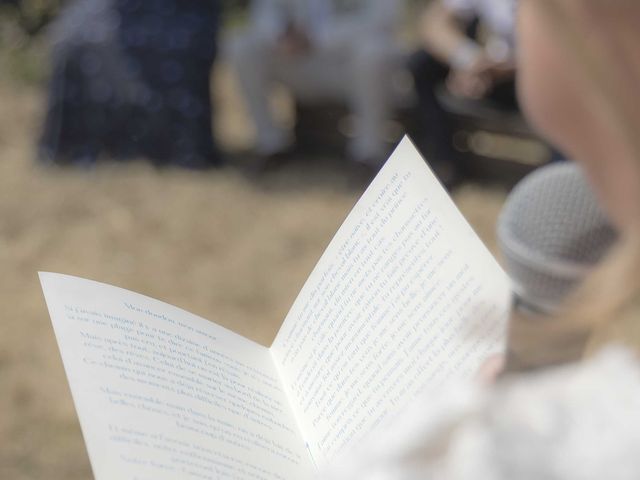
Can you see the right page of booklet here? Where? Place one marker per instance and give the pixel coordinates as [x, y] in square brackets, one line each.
[405, 298]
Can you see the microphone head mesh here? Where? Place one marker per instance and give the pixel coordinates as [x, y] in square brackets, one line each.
[551, 232]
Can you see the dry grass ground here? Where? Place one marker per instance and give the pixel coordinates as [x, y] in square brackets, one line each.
[232, 250]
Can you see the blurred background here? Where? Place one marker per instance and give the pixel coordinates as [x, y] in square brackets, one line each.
[135, 149]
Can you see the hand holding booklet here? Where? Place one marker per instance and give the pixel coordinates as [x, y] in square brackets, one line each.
[404, 299]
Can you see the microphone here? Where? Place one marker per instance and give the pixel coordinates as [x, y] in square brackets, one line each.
[552, 232]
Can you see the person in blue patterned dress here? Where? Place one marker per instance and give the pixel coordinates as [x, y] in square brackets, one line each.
[130, 79]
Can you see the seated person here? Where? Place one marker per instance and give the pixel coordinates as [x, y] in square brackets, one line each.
[132, 79]
[452, 55]
[319, 49]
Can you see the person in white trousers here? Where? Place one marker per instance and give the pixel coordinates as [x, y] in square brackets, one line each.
[333, 49]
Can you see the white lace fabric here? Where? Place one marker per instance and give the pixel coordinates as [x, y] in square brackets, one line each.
[580, 422]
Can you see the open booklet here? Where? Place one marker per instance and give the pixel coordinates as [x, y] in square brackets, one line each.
[405, 298]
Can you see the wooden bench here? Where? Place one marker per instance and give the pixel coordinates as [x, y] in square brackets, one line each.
[324, 127]
[498, 145]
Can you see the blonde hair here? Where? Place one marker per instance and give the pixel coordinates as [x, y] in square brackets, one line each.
[602, 37]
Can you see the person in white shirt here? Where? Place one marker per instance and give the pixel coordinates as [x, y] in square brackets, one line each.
[333, 49]
[469, 46]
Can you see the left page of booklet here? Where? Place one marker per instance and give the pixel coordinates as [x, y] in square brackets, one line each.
[164, 394]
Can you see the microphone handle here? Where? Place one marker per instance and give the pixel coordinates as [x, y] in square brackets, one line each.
[537, 339]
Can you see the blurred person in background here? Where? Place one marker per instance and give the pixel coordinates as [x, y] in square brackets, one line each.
[559, 412]
[319, 49]
[468, 46]
[131, 78]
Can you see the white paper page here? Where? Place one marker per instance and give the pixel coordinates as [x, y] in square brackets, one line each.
[405, 298]
[163, 394]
